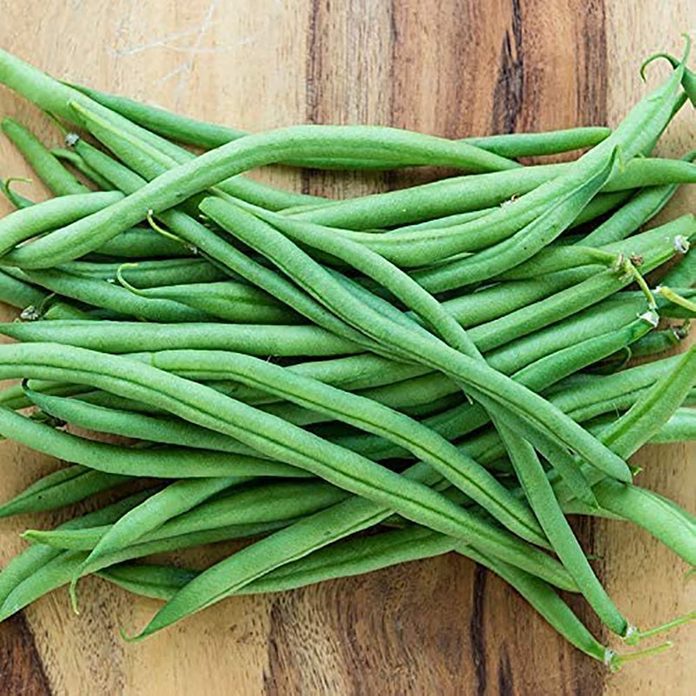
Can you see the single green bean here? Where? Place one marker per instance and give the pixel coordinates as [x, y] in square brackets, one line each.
[101, 293]
[243, 505]
[19, 294]
[207, 135]
[169, 462]
[151, 273]
[43, 217]
[78, 163]
[60, 488]
[125, 337]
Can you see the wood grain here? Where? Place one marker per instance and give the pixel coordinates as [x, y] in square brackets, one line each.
[453, 67]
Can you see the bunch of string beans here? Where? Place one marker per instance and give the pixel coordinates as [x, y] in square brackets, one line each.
[446, 365]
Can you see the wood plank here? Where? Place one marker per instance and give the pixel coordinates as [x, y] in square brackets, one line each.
[454, 67]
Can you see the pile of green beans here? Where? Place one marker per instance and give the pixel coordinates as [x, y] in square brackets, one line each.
[446, 365]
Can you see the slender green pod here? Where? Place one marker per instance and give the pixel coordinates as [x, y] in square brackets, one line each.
[127, 337]
[72, 158]
[162, 462]
[44, 217]
[60, 488]
[208, 135]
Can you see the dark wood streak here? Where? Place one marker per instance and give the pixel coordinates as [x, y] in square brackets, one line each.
[505, 683]
[313, 65]
[313, 73]
[509, 88]
[477, 629]
[592, 80]
[21, 668]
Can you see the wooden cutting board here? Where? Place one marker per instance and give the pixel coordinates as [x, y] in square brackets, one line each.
[453, 68]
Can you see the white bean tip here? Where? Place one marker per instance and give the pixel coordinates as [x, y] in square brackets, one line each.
[681, 244]
[651, 316]
[71, 139]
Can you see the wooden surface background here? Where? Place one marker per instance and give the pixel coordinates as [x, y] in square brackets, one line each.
[453, 68]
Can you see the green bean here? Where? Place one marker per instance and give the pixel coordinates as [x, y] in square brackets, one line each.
[17, 200]
[417, 393]
[78, 163]
[688, 77]
[645, 418]
[657, 342]
[490, 229]
[169, 462]
[178, 432]
[135, 425]
[465, 197]
[654, 409]
[461, 420]
[683, 274]
[61, 567]
[140, 243]
[559, 258]
[125, 337]
[18, 293]
[582, 390]
[206, 407]
[60, 488]
[150, 273]
[15, 396]
[288, 544]
[49, 169]
[542, 499]
[598, 206]
[56, 98]
[372, 417]
[516, 145]
[381, 271]
[42, 217]
[571, 300]
[456, 195]
[209, 169]
[208, 135]
[228, 300]
[101, 293]
[376, 143]
[361, 216]
[494, 301]
[233, 259]
[549, 605]
[595, 412]
[680, 427]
